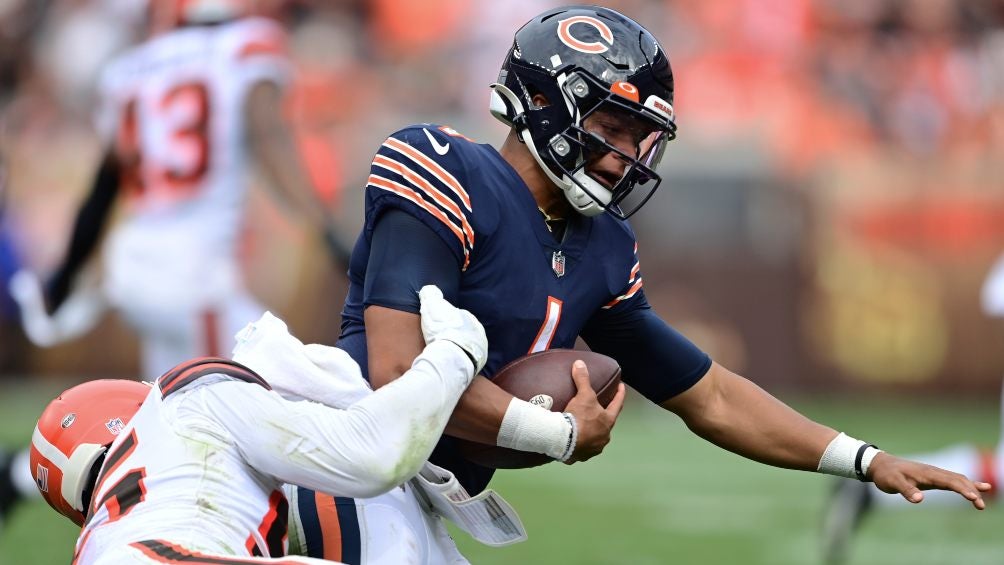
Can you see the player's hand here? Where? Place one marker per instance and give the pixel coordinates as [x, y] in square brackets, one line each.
[442, 320]
[594, 422]
[893, 475]
[76, 316]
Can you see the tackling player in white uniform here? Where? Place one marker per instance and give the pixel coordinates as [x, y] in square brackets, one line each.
[184, 115]
[190, 469]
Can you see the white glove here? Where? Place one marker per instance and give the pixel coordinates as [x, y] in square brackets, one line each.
[75, 316]
[444, 321]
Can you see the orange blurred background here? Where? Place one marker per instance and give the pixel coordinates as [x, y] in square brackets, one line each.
[830, 209]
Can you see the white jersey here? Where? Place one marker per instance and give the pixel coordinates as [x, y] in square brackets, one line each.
[198, 470]
[173, 109]
[992, 293]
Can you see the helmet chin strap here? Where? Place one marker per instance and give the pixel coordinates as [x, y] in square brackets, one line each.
[507, 108]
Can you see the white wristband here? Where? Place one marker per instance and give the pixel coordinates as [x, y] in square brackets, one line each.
[847, 457]
[527, 427]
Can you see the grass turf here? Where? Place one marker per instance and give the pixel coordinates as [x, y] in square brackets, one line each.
[660, 495]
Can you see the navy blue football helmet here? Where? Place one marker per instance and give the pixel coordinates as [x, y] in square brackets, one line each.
[588, 60]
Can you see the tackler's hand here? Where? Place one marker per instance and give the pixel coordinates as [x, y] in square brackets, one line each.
[444, 321]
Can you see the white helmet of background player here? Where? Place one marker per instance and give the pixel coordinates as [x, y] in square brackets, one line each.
[71, 438]
[588, 59]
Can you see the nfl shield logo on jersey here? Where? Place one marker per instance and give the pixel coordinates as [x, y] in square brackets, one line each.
[115, 426]
[558, 263]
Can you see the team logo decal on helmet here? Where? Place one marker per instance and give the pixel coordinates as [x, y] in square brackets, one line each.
[42, 478]
[566, 37]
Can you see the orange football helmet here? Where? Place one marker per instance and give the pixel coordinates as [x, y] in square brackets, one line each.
[73, 433]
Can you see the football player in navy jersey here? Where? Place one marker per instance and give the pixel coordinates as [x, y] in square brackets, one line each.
[533, 239]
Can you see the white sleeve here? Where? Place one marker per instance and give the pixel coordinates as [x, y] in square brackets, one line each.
[992, 293]
[259, 52]
[105, 118]
[365, 450]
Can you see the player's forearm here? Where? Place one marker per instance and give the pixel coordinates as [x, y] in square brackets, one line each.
[739, 416]
[87, 229]
[399, 424]
[394, 338]
[479, 412]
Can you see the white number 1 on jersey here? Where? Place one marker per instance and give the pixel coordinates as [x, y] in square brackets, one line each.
[543, 340]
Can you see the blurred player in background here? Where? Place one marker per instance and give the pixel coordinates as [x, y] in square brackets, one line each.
[851, 501]
[191, 469]
[533, 239]
[184, 115]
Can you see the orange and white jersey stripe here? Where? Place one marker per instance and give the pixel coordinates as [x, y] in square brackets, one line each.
[634, 283]
[417, 165]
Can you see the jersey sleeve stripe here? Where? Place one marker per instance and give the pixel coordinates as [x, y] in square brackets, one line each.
[634, 282]
[272, 528]
[415, 198]
[434, 168]
[112, 462]
[162, 551]
[421, 183]
[190, 371]
[631, 292]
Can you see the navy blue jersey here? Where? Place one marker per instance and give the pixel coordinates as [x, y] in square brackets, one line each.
[493, 255]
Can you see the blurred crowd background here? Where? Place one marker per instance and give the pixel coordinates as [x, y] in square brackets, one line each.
[830, 208]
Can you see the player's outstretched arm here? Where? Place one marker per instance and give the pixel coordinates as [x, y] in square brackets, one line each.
[735, 414]
[87, 230]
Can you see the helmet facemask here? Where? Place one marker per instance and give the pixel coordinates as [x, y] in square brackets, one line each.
[605, 122]
[566, 153]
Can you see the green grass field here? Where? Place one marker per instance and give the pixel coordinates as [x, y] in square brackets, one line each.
[660, 495]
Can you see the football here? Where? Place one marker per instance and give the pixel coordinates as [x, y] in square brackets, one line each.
[544, 379]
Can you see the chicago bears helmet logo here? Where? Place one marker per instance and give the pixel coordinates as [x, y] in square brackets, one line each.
[566, 37]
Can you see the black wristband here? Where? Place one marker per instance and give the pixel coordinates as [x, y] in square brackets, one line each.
[857, 462]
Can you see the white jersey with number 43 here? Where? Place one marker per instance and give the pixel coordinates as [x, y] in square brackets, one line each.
[172, 109]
